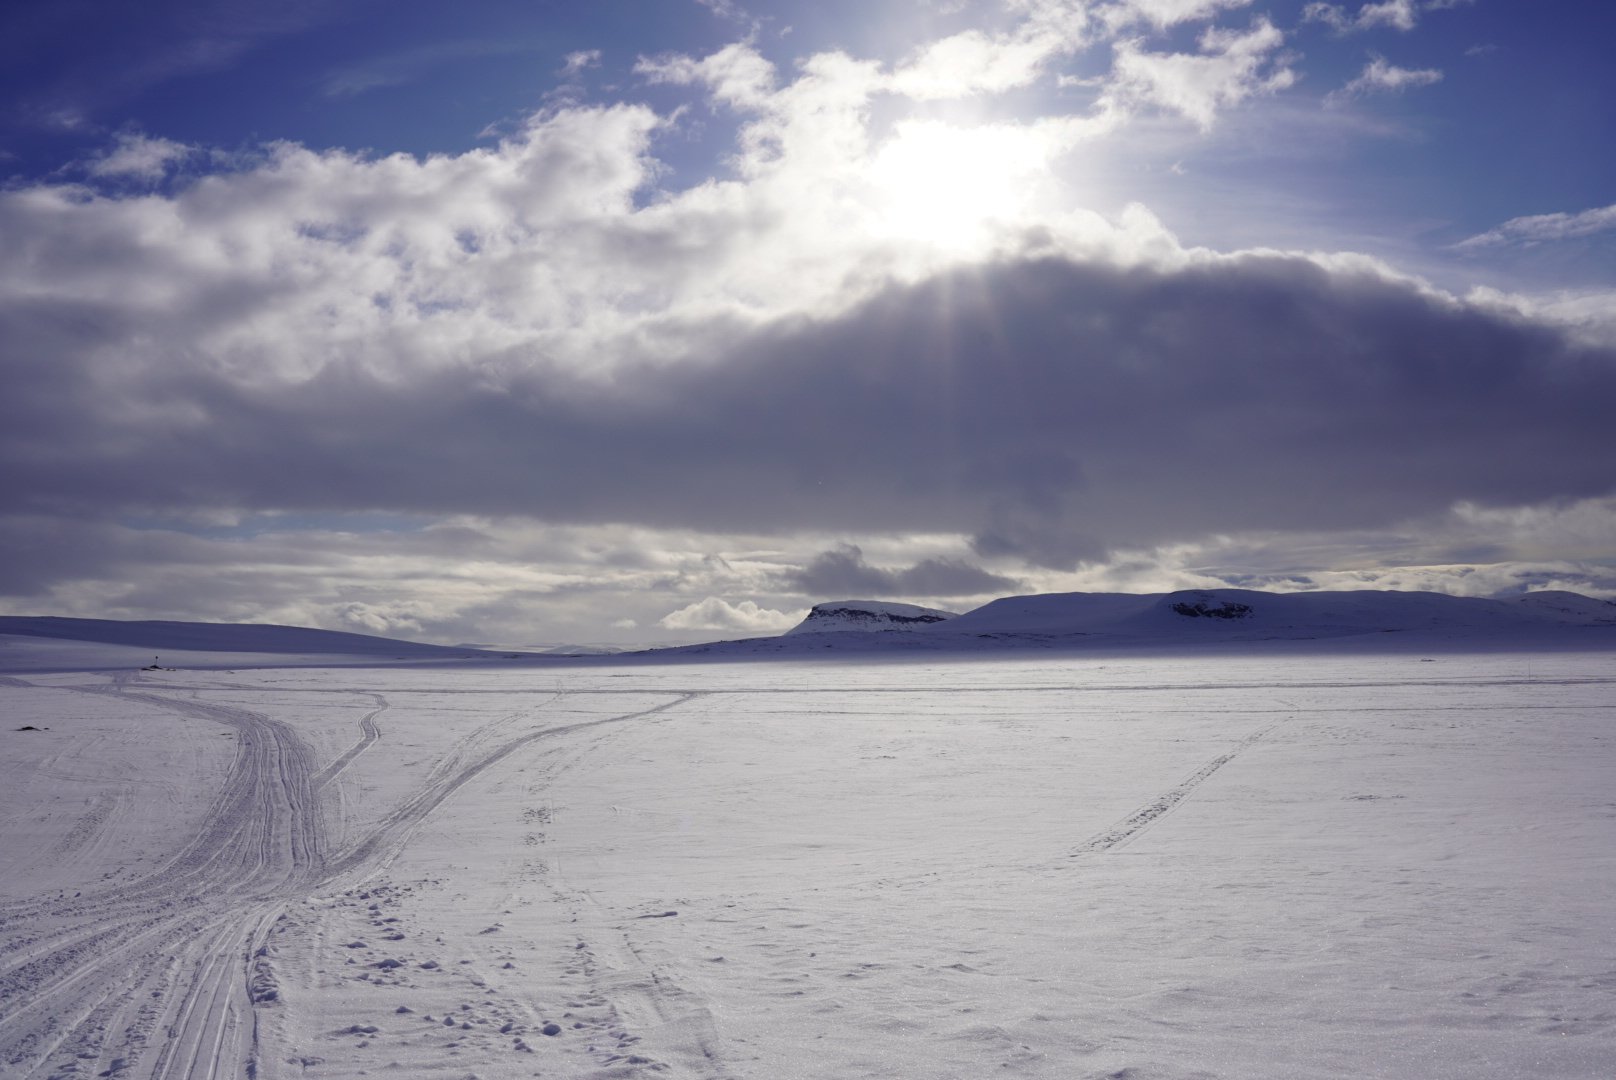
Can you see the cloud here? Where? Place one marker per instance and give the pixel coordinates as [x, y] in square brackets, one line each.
[1380, 77]
[444, 579]
[728, 9]
[1398, 14]
[531, 342]
[140, 157]
[1166, 13]
[714, 613]
[1055, 406]
[576, 62]
[1502, 579]
[1230, 67]
[835, 87]
[737, 74]
[1468, 550]
[1545, 228]
[512, 332]
[975, 62]
[842, 572]
[386, 620]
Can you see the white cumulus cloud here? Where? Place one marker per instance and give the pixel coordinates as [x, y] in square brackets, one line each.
[1381, 77]
[142, 157]
[1231, 66]
[715, 613]
[1396, 14]
[1165, 13]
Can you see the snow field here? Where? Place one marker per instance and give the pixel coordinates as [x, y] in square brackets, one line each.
[103, 791]
[1179, 866]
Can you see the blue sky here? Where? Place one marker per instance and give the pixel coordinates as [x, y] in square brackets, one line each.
[629, 321]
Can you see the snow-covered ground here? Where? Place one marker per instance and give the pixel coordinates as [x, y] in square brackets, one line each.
[1173, 866]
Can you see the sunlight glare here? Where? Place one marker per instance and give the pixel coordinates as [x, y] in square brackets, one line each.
[950, 186]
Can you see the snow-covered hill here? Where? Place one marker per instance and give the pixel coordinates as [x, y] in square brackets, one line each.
[1125, 621]
[1366, 618]
[866, 615]
[562, 649]
[48, 643]
[1244, 614]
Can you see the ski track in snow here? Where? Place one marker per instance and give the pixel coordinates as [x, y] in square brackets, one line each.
[144, 979]
[1147, 815]
[369, 732]
[156, 979]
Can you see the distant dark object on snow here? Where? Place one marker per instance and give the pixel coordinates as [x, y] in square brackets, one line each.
[1201, 609]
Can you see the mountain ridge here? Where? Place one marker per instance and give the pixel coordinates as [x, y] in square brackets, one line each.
[865, 616]
[1060, 621]
[1198, 617]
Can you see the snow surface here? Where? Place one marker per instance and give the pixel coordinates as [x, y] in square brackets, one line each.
[1241, 865]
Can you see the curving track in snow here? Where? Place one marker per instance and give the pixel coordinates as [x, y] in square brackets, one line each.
[144, 979]
[154, 979]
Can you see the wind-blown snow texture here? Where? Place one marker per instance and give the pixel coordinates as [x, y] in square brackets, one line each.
[1242, 864]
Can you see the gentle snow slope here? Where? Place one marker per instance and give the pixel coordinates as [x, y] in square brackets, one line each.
[38, 643]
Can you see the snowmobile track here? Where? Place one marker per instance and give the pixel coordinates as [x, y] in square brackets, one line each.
[151, 979]
[1147, 815]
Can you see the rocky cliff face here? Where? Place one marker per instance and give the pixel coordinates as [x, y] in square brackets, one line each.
[867, 615]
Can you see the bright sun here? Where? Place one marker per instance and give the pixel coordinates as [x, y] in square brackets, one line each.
[950, 185]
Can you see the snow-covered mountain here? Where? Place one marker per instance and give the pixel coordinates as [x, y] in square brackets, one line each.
[867, 615]
[1063, 621]
[1367, 618]
[1244, 614]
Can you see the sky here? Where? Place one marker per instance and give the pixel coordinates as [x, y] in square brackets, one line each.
[540, 322]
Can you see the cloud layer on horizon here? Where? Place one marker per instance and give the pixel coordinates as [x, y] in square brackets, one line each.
[1055, 409]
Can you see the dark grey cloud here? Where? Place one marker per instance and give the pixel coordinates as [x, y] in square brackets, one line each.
[1052, 409]
[842, 572]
